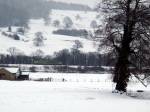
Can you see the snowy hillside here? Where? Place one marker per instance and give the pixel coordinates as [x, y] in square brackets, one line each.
[52, 43]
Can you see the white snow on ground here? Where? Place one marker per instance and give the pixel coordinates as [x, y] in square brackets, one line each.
[52, 43]
[79, 96]
[71, 77]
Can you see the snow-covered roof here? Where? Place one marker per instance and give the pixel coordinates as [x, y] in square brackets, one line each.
[11, 69]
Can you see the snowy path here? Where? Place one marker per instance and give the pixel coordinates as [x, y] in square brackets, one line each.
[29, 96]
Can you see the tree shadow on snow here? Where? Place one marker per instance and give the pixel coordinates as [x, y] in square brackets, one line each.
[139, 94]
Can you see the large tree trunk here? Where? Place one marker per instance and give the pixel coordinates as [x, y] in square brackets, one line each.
[122, 72]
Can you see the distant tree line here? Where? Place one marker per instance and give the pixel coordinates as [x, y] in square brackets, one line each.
[68, 6]
[63, 57]
[71, 32]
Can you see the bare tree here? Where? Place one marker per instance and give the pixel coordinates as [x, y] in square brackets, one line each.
[127, 30]
[9, 29]
[67, 22]
[47, 20]
[38, 53]
[77, 45]
[78, 17]
[13, 51]
[56, 23]
[76, 50]
[94, 24]
[39, 39]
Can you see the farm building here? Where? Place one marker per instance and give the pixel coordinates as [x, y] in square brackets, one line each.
[12, 73]
[9, 73]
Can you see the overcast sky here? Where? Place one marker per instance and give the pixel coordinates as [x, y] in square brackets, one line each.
[86, 2]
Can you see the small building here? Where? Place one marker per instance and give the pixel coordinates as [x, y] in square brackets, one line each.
[9, 73]
[12, 73]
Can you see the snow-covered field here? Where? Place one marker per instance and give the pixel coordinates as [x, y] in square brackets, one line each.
[71, 96]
